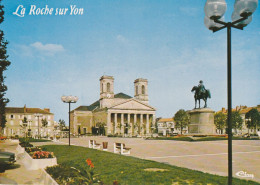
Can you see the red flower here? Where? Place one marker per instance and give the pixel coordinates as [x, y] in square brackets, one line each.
[88, 161]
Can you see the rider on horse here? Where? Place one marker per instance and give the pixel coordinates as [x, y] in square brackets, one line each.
[201, 88]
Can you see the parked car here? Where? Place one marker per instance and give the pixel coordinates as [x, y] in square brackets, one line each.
[6, 158]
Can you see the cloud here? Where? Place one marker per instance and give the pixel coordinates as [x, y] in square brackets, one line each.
[23, 50]
[37, 50]
[121, 38]
[49, 49]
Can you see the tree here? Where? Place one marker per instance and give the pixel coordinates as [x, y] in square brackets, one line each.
[24, 125]
[182, 119]
[220, 121]
[237, 121]
[156, 124]
[252, 119]
[45, 124]
[61, 124]
[4, 63]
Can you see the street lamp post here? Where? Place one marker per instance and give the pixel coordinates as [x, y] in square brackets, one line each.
[69, 100]
[38, 115]
[241, 17]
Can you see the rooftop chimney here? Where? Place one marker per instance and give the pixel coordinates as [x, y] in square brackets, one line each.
[47, 109]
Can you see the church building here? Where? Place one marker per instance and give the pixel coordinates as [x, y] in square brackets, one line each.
[119, 113]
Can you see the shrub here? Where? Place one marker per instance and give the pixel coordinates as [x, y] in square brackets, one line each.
[25, 144]
[32, 149]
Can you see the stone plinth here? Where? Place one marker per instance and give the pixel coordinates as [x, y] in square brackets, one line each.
[202, 121]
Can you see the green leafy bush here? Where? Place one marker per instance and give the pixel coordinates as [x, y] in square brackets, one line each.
[32, 149]
[25, 144]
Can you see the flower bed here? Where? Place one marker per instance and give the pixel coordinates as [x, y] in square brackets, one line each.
[40, 160]
[42, 155]
[3, 138]
[34, 158]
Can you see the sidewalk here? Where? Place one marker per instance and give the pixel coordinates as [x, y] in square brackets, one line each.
[17, 173]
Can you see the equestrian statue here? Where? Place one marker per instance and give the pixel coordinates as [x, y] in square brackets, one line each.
[201, 93]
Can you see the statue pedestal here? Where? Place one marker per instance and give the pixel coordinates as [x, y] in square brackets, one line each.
[202, 121]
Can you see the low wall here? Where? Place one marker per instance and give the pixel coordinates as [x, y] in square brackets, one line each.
[20, 149]
[45, 178]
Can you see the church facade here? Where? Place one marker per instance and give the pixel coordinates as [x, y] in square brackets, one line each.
[119, 113]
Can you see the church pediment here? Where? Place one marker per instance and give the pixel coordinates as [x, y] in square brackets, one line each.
[132, 104]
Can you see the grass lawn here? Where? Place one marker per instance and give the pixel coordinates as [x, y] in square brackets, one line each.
[33, 140]
[185, 138]
[131, 170]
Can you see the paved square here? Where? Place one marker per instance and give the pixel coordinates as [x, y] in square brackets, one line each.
[206, 156]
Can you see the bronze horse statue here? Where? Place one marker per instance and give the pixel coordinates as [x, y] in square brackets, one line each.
[201, 95]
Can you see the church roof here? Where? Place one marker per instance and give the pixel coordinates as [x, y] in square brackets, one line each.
[96, 104]
[123, 96]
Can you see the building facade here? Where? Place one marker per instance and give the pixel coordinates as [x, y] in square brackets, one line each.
[168, 126]
[118, 113]
[242, 109]
[15, 126]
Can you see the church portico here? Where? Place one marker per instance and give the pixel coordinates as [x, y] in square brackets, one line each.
[127, 122]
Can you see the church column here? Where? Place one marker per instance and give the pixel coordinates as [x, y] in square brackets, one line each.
[147, 124]
[122, 124]
[109, 126]
[135, 123]
[129, 124]
[141, 123]
[115, 120]
[153, 123]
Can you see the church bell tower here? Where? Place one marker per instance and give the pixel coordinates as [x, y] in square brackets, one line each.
[141, 90]
[106, 91]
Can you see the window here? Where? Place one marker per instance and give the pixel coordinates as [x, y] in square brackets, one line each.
[12, 116]
[108, 87]
[136, 90]
[102, 87]
[143, 89]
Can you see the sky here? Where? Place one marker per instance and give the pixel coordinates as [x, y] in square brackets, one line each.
[165, 42]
